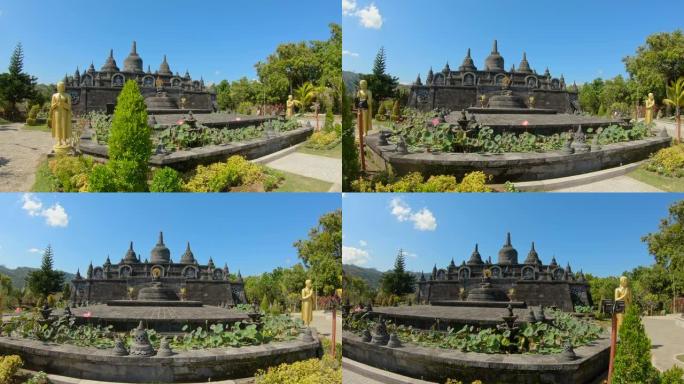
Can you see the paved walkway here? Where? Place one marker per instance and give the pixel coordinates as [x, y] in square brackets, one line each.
[316, 167]
[322, 321]
[20, 153]
[615, 184]
[667, 340]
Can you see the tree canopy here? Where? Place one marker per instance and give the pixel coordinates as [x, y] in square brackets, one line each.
[398, 281]
[46, 280]
[322, 253]
[381, 84]
[15, 85]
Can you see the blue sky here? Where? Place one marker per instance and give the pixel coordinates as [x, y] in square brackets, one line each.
[251, 232]
[598, 233]
[581, 39]
[211, 38]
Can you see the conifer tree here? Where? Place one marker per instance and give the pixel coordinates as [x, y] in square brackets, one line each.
[45, 280]
[633, 356]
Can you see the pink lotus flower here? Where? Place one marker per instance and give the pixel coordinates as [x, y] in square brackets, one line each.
[237, 119]
[87, 314]
[525, 123]
[180, 122]
[435, 122]
[18, 310]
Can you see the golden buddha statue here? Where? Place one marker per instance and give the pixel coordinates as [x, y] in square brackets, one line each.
[307, 303]
[365, 105]
[159, 83]
[60, 119]
[290, 106]
[650, 106]
[624, 293]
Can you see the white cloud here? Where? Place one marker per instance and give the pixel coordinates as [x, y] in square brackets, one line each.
[34, 250]
[363, 243]
[217, 72]
[55, 216]
[32, 204]
[348, 7]
[356, 256]
[410, 254]
[349, 53]
[423, 220]
[370, 17]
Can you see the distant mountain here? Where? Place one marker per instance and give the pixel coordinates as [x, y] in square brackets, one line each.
[351, 81]
[371, 275]
[18, 275]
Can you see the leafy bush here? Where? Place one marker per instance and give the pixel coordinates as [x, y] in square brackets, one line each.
[129, 141]
[313, 371]
[166, 180]
[668, 161]
[396, 111]
[633, 356]
[39, 378]
[673, 375]
[9, 365]
[72, 172]
[245, 108]
[329, 120]
[236, 171]
[414, 182]
[382, 112]
[101, 179]
[323, 140]
[33, 114]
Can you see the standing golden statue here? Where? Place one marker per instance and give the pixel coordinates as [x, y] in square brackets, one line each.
[365, 106]
[60, 119]
[624, 293]
[307, 303]
[290, 107]
[650, 106]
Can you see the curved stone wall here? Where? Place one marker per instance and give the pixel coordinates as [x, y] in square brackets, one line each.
[186, 366]
[438, 365]
[190, 158]
[516, 166]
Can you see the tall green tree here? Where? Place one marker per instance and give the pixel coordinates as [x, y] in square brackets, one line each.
[398, 281]
[381, 84]
[322, 253]
[633, 357]
[675, 98]
[46, 280]
[350, 153]
[667, 245]
[658, 62]
[15, 85]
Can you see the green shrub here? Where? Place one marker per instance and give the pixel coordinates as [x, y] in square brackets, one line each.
[166, 180]
[672, 376]
[329, 124]
[129, 176]
[39, 378]
[245, 108]
[396, 111]
[264, 305]
[130, 145]
[313, 371]
[101, 124]
[668, 161]
[414, 182]
[101, 179]
[633, 357]
[9, 365]
[236, 171]
[382, 112]
[322, 140]
[33, 114]
[71, 172]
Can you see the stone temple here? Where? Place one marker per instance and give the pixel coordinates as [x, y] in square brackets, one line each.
[464, 88]
[203, 283]
[164, 90]
[480, 281]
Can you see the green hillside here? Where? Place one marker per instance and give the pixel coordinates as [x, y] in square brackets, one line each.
[18, 275]
[371, 275]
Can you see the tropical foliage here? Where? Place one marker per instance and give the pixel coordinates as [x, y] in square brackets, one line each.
[675, 98]
[321, 253]
[668, 161]
[415, 182]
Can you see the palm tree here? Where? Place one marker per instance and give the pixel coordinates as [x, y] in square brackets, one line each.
[306, 94]
[675, 98]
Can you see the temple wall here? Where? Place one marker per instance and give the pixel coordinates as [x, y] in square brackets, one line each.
[209, 292]
[426, 98]
[97, 98]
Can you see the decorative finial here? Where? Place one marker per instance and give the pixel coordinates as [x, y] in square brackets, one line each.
[161, 237]
[134, 48]
[495, 48]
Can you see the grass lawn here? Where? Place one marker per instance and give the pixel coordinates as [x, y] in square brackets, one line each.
[335, 152]
[43, 127]
[297, 183]
[667, 184]
[3, 121]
